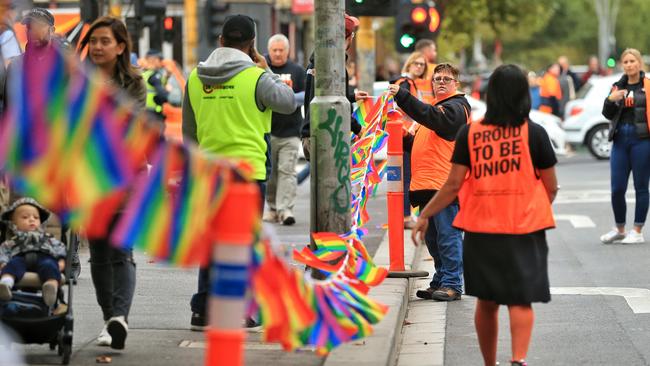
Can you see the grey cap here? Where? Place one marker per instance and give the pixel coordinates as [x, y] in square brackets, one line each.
[42, 211]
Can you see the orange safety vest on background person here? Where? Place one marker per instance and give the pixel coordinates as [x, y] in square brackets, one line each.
[646, 87]
[431, 158]
[549, 86]
[502, 193]
[425, 88]
[408, 124]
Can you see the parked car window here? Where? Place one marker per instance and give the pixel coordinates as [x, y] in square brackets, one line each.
[584, 90]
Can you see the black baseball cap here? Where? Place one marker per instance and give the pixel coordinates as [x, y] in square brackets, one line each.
[239, 28]
[39, 14]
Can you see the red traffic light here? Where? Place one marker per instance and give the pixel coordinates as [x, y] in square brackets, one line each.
[418, 15]
[168, 23]
[434, 19]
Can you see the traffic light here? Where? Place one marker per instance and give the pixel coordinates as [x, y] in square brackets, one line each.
[373, 8]
[148, 10]
[168, 29]
[415, 21]
[215, 17]
[611, 62]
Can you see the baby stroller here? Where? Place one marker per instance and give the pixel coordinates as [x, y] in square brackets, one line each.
[28, 316]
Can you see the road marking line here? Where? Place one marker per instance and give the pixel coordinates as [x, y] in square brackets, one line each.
[638, 299]
[578, 221]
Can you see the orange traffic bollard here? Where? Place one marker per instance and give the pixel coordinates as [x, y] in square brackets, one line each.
[234, 234]
[395, 195]
[395, 202]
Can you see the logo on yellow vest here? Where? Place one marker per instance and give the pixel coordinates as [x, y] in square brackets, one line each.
[207, 89]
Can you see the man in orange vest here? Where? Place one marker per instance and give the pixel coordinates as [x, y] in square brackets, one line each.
[430, 165]
[430, 52]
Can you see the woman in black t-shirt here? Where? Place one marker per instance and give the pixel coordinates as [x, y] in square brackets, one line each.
[504, 214]
[626, 107]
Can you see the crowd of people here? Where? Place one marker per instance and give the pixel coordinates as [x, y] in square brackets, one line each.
[493, 180]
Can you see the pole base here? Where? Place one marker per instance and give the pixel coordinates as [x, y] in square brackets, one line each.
[407, 274]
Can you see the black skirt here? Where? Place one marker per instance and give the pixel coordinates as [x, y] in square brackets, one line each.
[507, 269]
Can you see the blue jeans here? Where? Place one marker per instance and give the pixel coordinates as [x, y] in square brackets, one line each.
[46, 267]
[200, 298]
[445, 244]
[629, 154]
[407, 183]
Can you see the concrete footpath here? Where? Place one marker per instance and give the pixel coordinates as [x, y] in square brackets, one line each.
[412, 332]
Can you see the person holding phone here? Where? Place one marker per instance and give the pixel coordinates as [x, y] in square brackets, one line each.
[626, 108]
[227, 108]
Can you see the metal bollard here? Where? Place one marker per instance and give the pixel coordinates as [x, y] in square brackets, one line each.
[234, 235]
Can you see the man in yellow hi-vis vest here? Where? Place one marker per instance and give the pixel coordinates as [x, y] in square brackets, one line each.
[227, 110]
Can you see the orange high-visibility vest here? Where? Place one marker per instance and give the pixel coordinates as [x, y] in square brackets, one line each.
[425, 89]
[549, 86]
[431, 158]
[502, 193]
[646, 87]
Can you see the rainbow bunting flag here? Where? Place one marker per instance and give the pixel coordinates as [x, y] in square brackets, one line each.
[168, 213]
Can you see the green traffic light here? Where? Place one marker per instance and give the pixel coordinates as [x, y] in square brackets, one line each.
[611, 62]
[359, 1]
[406, 40]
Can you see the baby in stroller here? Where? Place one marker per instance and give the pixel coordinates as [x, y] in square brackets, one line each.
[28, 238]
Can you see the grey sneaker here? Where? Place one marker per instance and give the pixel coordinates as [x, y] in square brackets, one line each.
[612, 236]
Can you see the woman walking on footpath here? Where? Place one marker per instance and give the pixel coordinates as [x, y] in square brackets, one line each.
[113, 269]
[414, 71]
[503, 174]
[626, 107]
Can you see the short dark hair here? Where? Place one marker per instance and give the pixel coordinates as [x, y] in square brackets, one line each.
[424, 43]
[508, 97]
[453, 70]
[240, 45]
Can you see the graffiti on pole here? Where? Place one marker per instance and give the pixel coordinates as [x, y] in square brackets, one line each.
[340, 198]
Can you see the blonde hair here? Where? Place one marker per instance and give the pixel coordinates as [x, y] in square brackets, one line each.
[411, 59]
[637, 55]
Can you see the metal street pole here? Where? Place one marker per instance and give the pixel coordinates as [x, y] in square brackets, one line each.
[607, 12]
[366, 54]
[330, 124]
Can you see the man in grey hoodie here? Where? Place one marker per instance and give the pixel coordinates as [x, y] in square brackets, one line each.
[227, 110]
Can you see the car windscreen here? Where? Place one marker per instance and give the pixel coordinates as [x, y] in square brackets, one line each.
[584, 90]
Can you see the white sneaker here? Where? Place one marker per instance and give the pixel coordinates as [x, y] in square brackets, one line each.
[612, 236]
[104, 339]
[633, 237]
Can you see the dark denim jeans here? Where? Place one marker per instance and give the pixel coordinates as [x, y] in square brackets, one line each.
[200, 298]
[113, 274]
[46, 267]
[445, 244]
[630, 154]
[407, 183]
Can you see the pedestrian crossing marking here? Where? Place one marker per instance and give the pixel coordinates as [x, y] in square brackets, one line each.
[578, 221]
[638, 299]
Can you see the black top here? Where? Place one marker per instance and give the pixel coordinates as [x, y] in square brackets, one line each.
[310, 93]
[613, 111]
[288, 125]
[444, 118]
[541, 151]
[628, 112]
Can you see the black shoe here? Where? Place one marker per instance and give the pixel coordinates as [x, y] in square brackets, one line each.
[252, 325]
[118, 330]
[445, 294]
[425, 294]
[518, 363]
[198, 322]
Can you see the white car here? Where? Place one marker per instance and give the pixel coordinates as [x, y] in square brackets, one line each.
[552, 124]
[584, 122]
